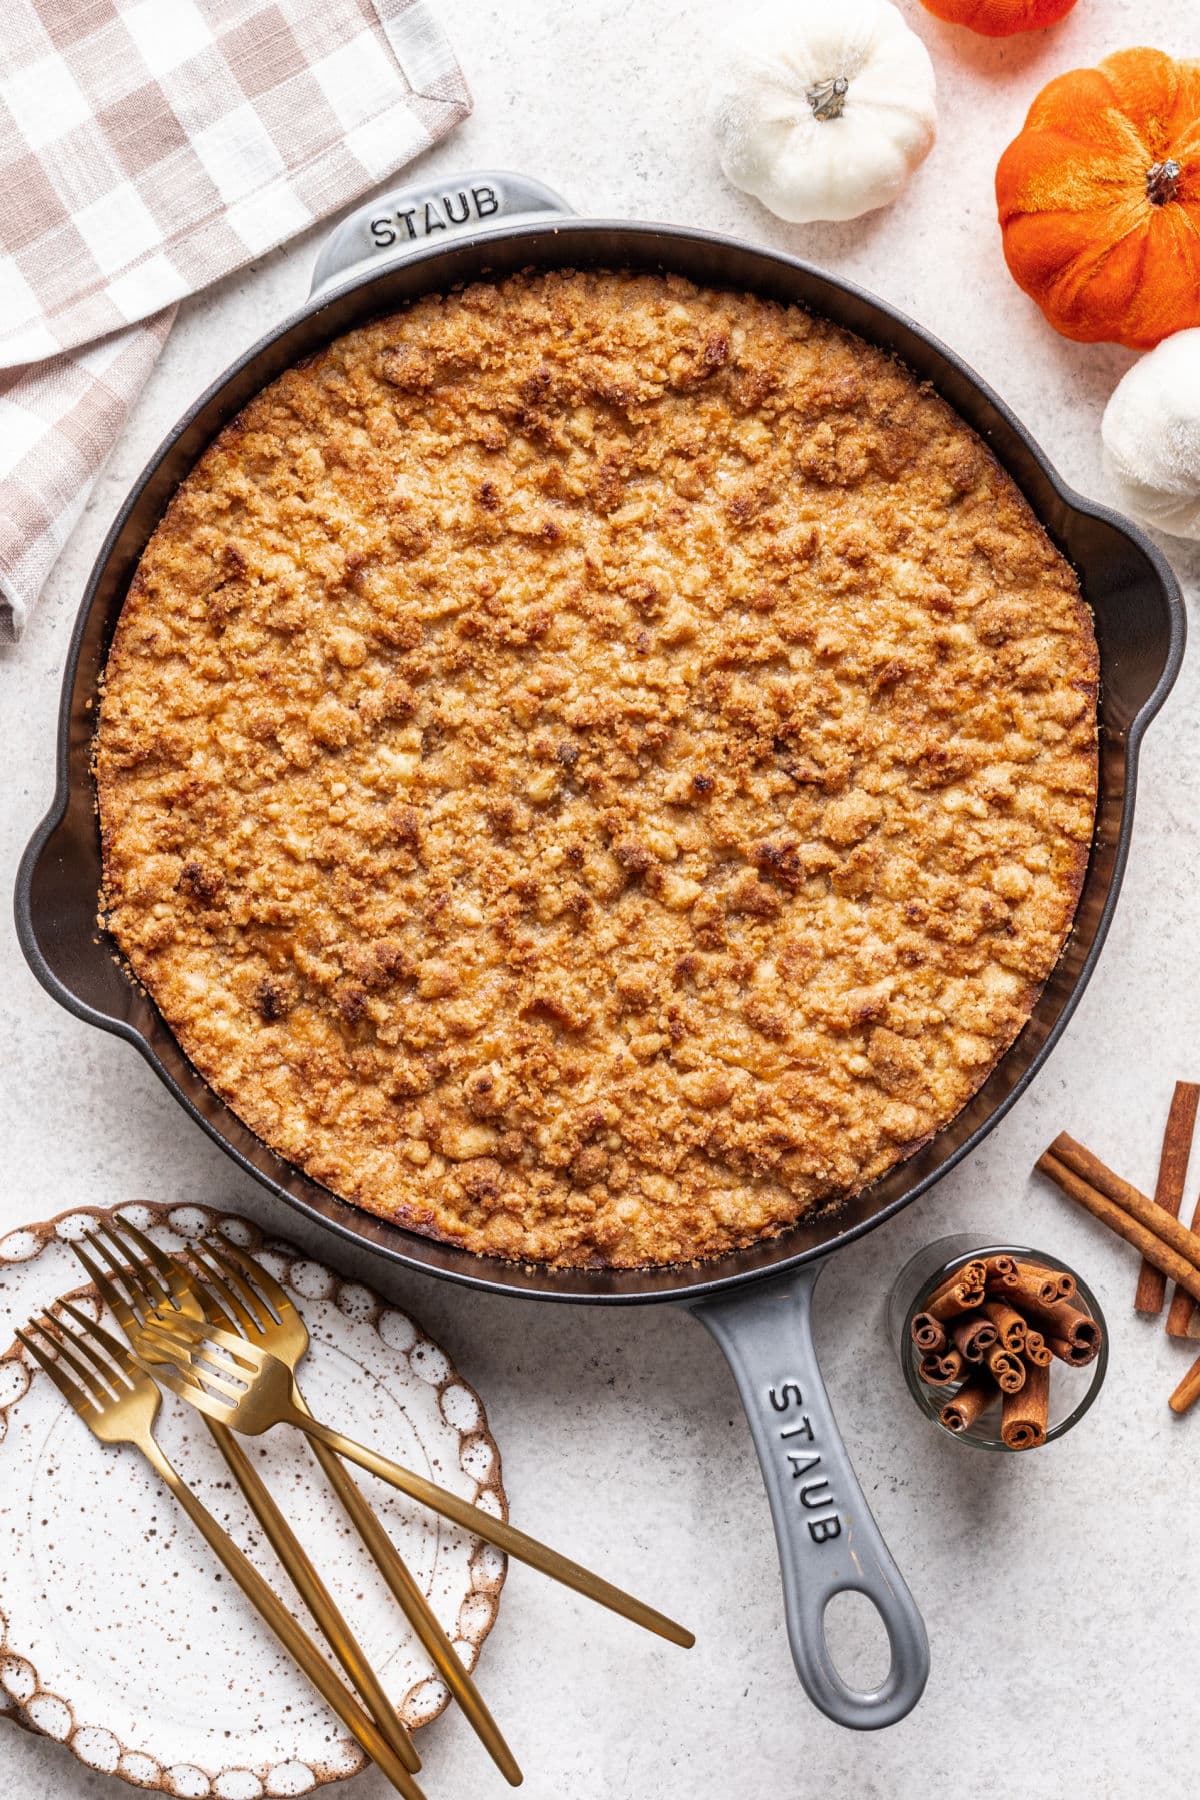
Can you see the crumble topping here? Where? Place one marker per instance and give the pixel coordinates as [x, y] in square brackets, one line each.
[593, 768]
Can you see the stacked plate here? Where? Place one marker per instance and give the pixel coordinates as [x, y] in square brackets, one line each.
[119, 1633]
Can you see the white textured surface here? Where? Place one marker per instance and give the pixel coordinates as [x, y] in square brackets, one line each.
[1059, 1589]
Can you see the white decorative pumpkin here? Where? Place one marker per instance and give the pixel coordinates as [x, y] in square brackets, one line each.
[823, 108]
[1151, 433]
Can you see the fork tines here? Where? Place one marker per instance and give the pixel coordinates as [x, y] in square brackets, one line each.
[243, 1305]
[94, 1380]
[205, 1354]
[124, 1286]
[147, 1289]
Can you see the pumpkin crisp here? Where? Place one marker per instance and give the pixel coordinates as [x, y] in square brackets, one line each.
[592, 769]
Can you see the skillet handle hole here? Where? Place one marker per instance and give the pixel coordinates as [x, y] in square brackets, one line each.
[857, 1640]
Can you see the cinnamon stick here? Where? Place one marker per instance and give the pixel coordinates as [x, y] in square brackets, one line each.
[971, 1274]
[1032, 1285]
[999, 1268]
[1188, 1391]
[1168, 1191]
[1006, 1370]
[961, 1413]
[959, 1293]
[1062, 1320]
[1037, 1351]
[927, 1334]
[952, 1302]
[973, 1334]
[1011, 1328]
[1058, 1320]
[1183, 1307]
[1024, 1414]
[1132, 1224]
[940, 1371]
[1078, 1354]
[1156, 1219]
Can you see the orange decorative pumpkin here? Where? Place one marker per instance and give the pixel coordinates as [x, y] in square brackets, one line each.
[1000, 18]
[1099, 200]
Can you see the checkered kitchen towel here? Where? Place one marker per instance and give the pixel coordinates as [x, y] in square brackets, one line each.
[148, 147]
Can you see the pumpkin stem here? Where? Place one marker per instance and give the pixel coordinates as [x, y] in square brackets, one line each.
[828, 98]
[1161, 181]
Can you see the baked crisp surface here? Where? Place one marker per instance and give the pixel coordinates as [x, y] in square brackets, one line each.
[593, 768]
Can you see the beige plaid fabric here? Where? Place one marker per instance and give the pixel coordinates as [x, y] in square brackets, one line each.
[148, 147]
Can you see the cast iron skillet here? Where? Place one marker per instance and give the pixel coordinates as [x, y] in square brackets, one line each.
[756, 1303]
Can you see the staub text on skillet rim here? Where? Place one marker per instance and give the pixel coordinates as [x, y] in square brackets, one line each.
[430, 238]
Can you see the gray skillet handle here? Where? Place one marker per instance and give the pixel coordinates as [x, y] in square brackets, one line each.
[409, 219]
[828, 1542]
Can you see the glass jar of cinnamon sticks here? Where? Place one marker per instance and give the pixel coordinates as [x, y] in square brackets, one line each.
[1002, 1346]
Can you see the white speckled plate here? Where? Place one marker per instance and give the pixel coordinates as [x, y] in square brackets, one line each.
[120, 1634]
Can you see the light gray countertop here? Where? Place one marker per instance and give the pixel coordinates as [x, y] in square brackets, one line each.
[1060, 1589]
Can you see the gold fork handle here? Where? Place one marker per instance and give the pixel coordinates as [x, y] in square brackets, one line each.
[505, 1537]
[417, 1610]
[295, 1640]
[315, 1594]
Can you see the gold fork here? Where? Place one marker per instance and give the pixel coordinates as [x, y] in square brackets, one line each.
[119, 1401]
[143, 1291]
[243, 1385]
[265, 1313]
[260, 1309]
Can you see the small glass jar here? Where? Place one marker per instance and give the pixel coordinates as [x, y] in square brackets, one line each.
[1072, 1390]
